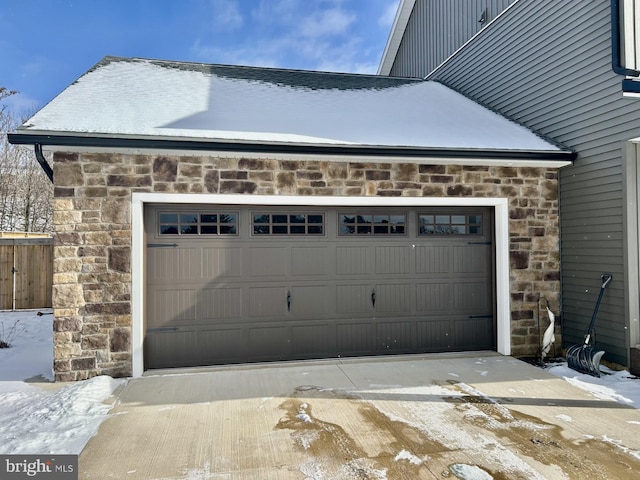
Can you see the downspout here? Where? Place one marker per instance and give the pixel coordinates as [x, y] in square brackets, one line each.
[43, 161]
[616, 61]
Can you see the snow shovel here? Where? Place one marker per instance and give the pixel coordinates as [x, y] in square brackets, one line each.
[583, 358]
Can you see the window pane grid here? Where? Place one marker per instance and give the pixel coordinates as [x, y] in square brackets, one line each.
[378, 224]
[442, 224]
[288, 224]
[195, 223]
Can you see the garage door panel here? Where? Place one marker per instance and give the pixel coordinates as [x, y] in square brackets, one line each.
[393, 298]
[311, 341]
[172, 307]
[395, 337]
[267, 301]
[269, 343]
[308, 261]
[219, 304]
[472, 333]
[221, 263]
[354, 260]
[354, 299]
[392, 260]
[174, 264]
[433, 259]
[355, 338]
[434, 335]
[311, 300]
[471, 259]
[267, 261]
[433, 297]
[471, 297]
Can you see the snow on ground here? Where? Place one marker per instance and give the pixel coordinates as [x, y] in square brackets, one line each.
[618, 386]
[36, 420]
[61, 420]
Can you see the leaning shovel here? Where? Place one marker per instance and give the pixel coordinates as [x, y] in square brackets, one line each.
[583, 358]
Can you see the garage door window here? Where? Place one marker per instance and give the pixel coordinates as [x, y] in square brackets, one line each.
[198, 223]
[288, 224]
[444, 224]
[363, 224]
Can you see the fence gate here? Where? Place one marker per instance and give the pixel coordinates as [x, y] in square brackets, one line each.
[26, 273]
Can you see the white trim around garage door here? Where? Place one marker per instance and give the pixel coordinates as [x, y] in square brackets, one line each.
[500, 205]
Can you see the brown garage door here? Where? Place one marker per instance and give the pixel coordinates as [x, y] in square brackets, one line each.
[251, 284]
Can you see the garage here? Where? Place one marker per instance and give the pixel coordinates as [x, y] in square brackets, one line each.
[234, 284]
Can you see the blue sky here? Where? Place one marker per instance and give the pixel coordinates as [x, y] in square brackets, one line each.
[47, 44]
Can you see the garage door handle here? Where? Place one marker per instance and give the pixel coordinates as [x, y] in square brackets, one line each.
[373, 298]
[288, 301]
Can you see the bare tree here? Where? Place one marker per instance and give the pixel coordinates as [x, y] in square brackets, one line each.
[26, 193]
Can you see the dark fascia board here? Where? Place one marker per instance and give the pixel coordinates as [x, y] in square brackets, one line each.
[283, 148]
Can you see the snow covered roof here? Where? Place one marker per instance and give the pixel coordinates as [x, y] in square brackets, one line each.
[151, 99]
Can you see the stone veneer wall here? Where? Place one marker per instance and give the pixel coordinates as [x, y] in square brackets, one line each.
[92, 268]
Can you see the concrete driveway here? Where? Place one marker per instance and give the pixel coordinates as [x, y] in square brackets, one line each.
[433, 416]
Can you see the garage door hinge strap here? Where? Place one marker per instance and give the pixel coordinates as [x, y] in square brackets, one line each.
[162, 245]
[480, 316]
[162, 329]
[478, 243]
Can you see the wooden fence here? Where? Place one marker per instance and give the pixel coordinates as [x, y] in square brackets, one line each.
[26, 273]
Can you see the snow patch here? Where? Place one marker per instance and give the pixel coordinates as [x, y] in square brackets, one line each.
[616, 386]
[565, 418]
[404, 455]
[469, 472]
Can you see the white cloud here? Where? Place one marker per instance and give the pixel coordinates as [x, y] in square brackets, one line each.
[322, 23]
[226, 15]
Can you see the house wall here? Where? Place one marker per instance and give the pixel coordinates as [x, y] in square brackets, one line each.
[546, 64]
[92, 267]
[436, 29]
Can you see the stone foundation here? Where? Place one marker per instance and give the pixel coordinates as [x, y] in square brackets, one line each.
[92, 256]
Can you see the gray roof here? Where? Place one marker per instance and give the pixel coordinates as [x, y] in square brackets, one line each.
[136, 98]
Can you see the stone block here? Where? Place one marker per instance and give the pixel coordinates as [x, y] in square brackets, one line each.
[372, 175]
[94, 342]
[66, 350]
[165, 169]
[406, 172]
[67, 324]
[83, 363]
[119, 308]
[120, 259]
[212, 181]
[237, 186]
[432, 169]
[116, 211]
[459, 190]
[120, 339]
[68, 295]
[60, 366]
[68, 174]
[255, 164]
[63, 157]
[128, 181]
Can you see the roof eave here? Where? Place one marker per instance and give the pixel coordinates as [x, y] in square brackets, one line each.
[383, 153]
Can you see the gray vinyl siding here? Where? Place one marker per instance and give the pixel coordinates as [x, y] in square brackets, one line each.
[424, 47]
[546, 64]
